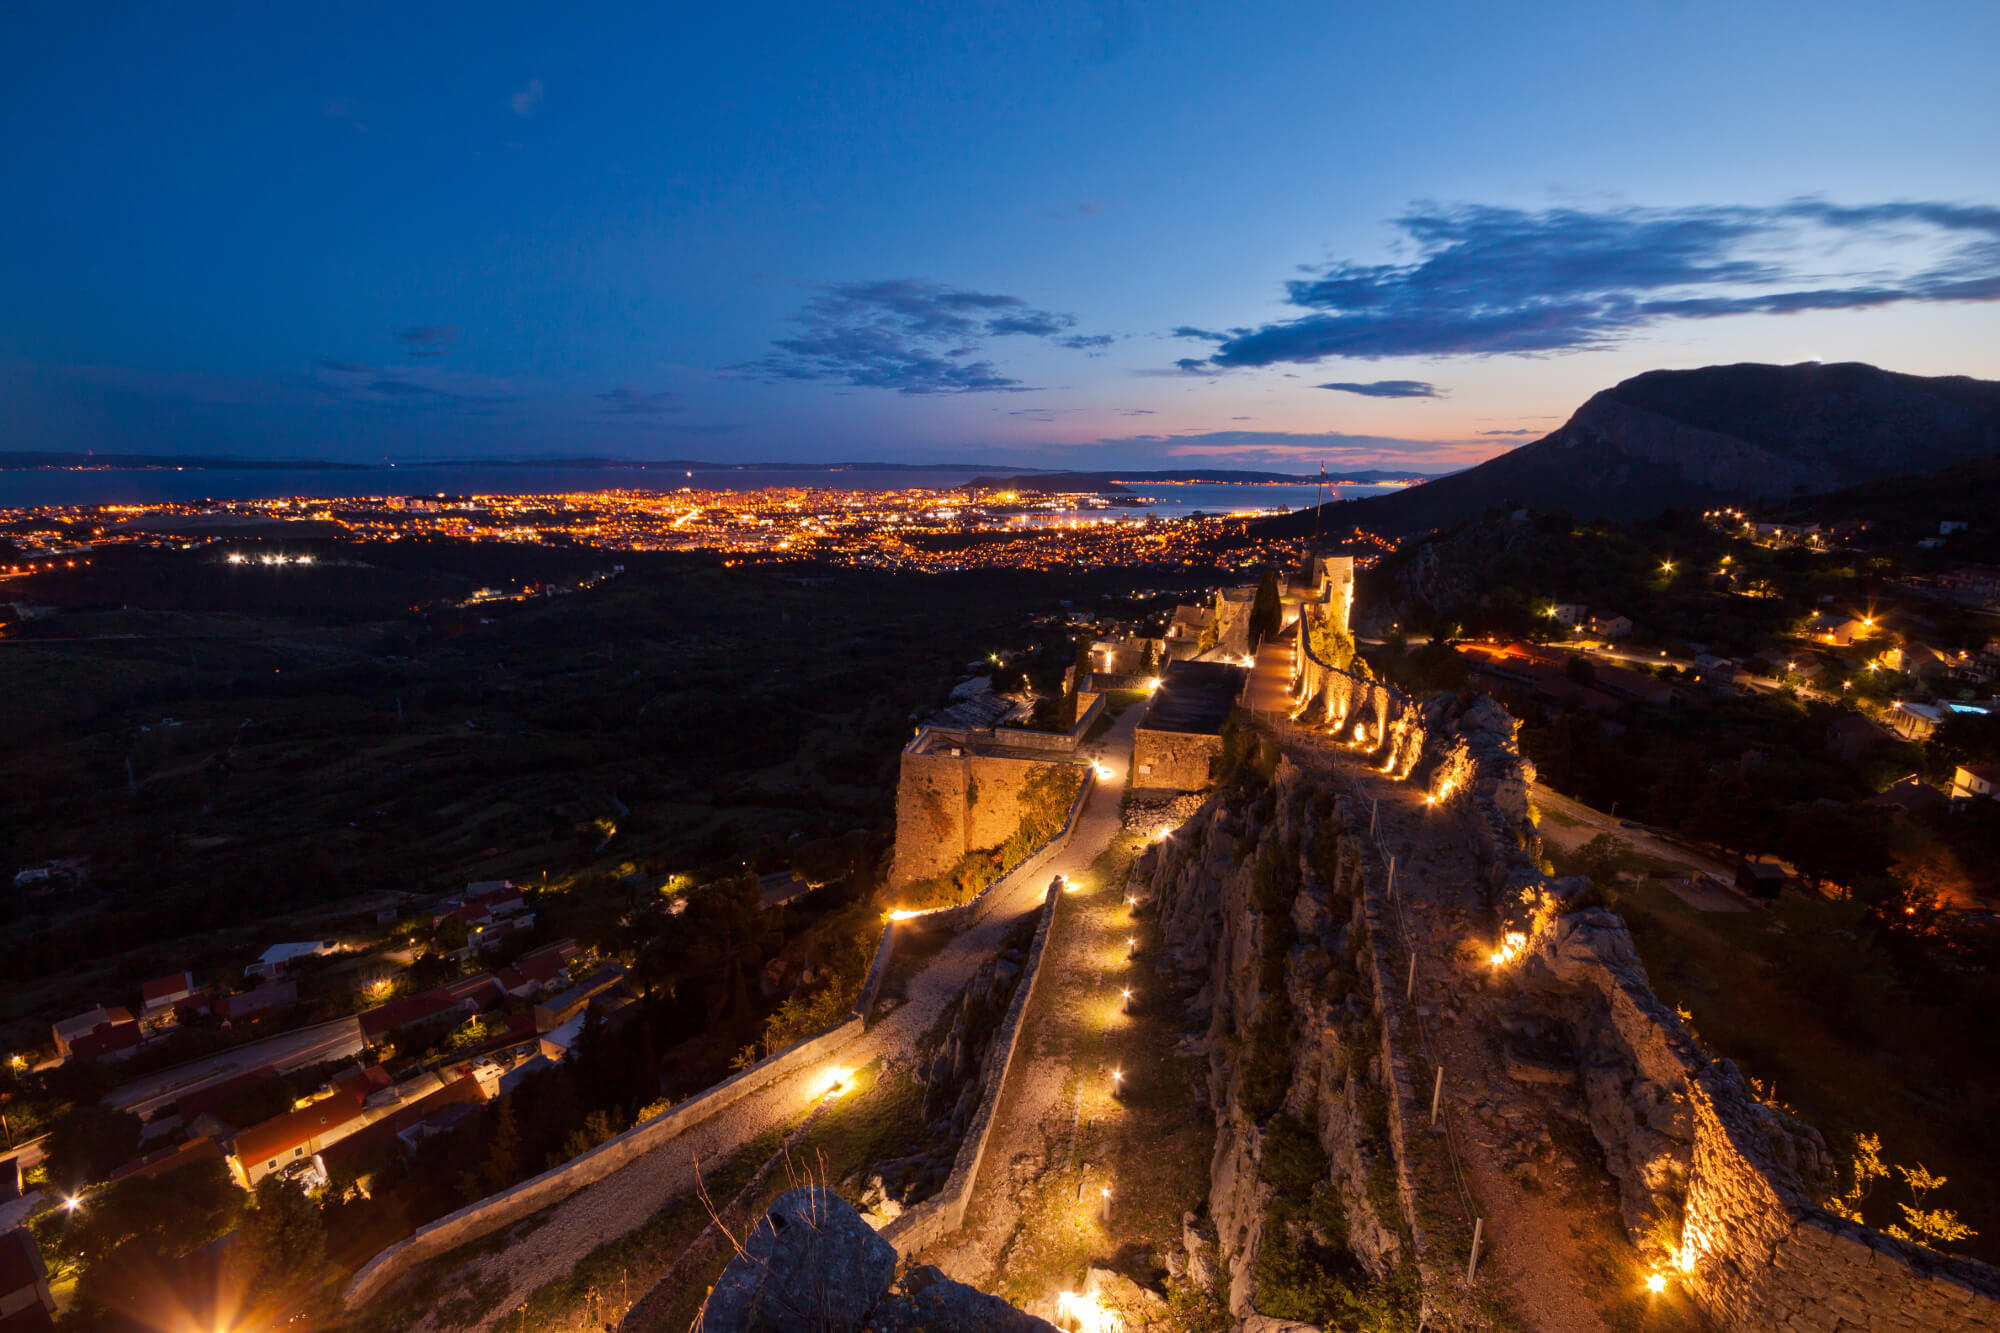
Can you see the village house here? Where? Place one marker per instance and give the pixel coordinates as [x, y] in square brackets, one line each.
[1978, 781]
[1610, 625]
[1571, 614]
[165, 991]
[274, 959]
[26, 1303]
[97, 1034]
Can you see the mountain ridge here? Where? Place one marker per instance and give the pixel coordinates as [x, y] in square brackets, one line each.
[1718, 435]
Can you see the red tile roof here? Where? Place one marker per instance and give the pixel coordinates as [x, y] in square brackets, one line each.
[276, 1137]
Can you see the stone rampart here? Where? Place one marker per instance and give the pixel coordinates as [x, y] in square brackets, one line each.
[1175, 760]
[960, 791]
[1686, 1136]
[944, 1212]
[553, 1186]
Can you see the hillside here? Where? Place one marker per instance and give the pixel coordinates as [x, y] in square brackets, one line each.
[1719, 435]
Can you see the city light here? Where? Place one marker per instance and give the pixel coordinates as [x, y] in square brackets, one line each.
[71, 1203]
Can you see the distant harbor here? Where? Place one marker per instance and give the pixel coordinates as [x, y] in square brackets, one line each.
[86, 486]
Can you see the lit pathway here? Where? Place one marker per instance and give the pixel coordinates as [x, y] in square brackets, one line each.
[1538, 1240]
[622, 1202]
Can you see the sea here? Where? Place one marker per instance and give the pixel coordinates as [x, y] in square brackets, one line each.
[34, 489]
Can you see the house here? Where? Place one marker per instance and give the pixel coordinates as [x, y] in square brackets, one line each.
[552, 1013]
[70, 1028]
[1571, 614]
[274, 959]
[1977, 781]
[288, 1139]
[1908, 796]
[1973, 585]
[413, 1118]
[26, 1303]
[538, 970]
[1764, 876]
[1915, 659]
[68, 873]
[465, 997]
[1839, 630]
[1914, 721]
[165, 991]
[202, 1148]
[1610, 625]
[96, 1034]
[1852, 736]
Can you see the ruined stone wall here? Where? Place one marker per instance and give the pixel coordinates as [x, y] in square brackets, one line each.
[944, 1212]
[948, 805]
[1176, 760]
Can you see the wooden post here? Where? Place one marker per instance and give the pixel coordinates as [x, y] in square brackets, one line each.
[1472, 1264]
[1410, 988]
[1104, 1207]
[1437, 1095]
[1374, 808]
[1392, 878]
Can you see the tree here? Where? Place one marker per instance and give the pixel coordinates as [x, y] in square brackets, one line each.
[88, 1144]
[1154, 660]
[285, 1237]
[1267, 612]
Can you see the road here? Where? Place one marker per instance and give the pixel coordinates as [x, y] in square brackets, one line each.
[1646, 841]
[623, 1201]
[290, 1050]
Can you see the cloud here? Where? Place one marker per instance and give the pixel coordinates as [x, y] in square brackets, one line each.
[1291, 448]
[1137, 412]
[1491, 281]
[422, 386]
[907, 334]
[1083, 342]
[397, 387]
[428, 340]
[525, 101]
[1079, 212]
[626, 401]
[1512, 432]
[1386, 388]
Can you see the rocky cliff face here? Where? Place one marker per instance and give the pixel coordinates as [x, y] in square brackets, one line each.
[1256, 898]
[1719, 435]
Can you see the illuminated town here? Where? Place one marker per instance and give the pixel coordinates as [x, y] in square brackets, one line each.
[929, 531]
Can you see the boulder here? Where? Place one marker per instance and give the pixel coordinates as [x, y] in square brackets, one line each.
[810, 1262]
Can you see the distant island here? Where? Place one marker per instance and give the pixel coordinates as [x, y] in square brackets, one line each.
[35, 461]
[1120, 482]
[1026, 479]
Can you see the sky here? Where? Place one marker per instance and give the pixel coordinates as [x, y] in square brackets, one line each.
[1062, 234]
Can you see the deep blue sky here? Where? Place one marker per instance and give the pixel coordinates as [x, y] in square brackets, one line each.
[1077, 234]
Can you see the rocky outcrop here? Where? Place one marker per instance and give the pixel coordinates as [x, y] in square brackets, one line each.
[1262, 924]
[811, 1264]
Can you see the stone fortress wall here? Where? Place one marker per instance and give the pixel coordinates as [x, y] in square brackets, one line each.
[1690, 1143]
[553, 1186]
[959, 791]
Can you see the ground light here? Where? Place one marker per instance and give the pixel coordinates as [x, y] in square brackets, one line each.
[1656, 1282]
[1511, 946]
[1086, 1314]
[837, 1083]
[71, 1203]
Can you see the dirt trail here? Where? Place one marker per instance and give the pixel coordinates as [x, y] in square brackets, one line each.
[623, 1201]
[1545, 1241]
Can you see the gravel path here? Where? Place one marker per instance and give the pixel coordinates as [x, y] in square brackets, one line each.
[622, 1202]
[1533, 1239]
